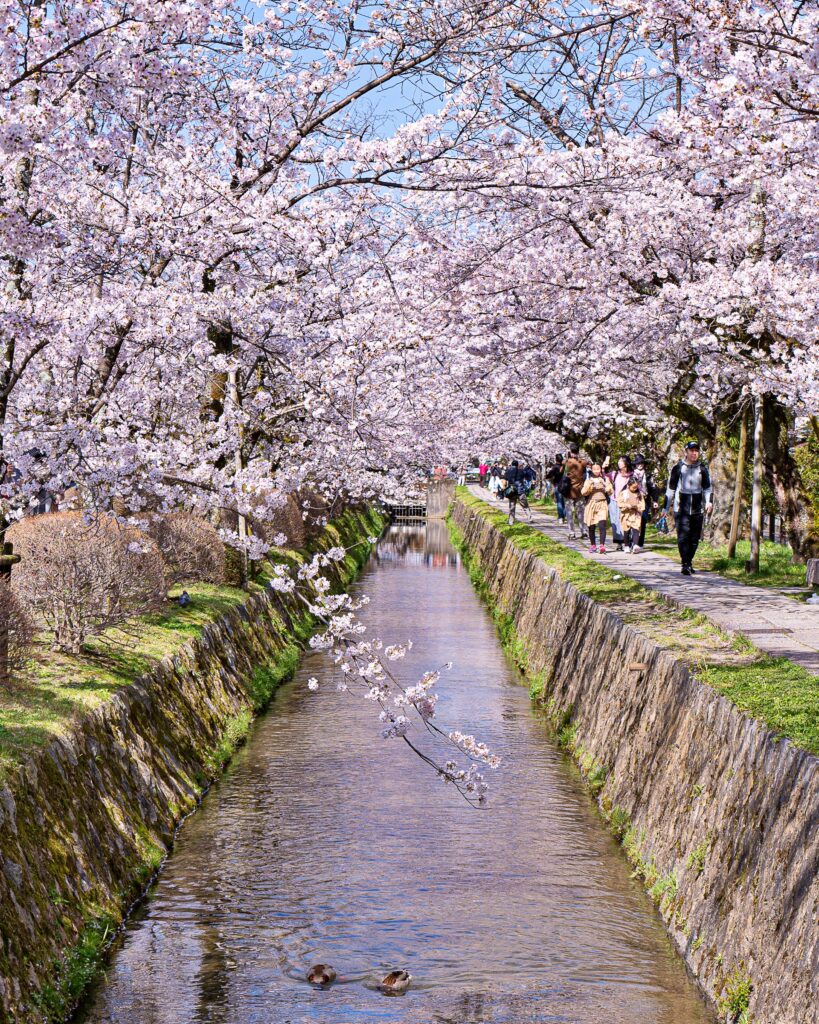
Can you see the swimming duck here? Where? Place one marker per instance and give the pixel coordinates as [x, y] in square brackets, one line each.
[321, 974]
[396, 982]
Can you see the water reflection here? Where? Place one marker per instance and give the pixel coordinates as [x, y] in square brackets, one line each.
[412, 543]
[327, 844]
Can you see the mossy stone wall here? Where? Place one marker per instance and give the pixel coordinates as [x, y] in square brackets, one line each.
[719, 816]
[87, 820]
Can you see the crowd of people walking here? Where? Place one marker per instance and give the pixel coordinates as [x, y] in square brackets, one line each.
[592, 498]
[513, 480]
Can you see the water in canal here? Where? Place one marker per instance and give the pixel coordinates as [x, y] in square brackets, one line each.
[325, 843]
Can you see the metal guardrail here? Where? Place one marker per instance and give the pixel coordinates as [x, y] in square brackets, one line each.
[413, 511]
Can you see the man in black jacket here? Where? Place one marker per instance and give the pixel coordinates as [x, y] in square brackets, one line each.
[689, 491]
[554, 475]
[516, 479]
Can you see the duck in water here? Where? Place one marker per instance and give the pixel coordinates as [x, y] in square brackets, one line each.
[396, 983]
[322, 975]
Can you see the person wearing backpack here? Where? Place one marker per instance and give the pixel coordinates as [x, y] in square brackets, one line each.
[515, 489]
[689, 494]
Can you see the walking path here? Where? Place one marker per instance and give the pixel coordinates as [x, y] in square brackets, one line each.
[775, 624]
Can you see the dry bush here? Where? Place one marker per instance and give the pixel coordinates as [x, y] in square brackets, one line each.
[16, 633]
[317, 508]
[81, 576]
[287, 520]
[192, 549]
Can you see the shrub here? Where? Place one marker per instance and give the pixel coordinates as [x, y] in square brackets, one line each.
[287, 519]
[192, 549]
[16, 633]
[80, 576]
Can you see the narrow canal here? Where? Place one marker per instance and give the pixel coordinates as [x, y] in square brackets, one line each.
[325, 843]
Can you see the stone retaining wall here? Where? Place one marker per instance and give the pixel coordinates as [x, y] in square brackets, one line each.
[722, 813]
[87, 819]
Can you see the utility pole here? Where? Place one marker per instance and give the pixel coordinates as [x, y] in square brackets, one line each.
[756, 502]
[738, 485]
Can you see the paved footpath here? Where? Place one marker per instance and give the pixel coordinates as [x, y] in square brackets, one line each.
[774, 623]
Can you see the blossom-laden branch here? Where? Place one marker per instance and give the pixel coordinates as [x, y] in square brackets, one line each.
[405, 711]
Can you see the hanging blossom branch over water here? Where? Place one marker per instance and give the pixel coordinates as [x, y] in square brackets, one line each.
[406, 712]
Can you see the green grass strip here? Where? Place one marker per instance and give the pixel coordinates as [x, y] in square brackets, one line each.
[58, 688]
[776, 691]
[777, 568]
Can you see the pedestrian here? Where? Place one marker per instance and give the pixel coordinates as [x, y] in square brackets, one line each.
[554, 475]
[596, 490]
[495, 478]
[529, 477]
[619, 482]
[632, 505]
[689, 494]
[650, 492]
[571, 487]
[515, 489]
[483, 469]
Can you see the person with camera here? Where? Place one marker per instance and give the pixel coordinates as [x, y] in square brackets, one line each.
[596, 490]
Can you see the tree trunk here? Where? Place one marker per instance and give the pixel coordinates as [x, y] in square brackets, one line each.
[239, 466]
[759, 471]
[739, 486]
[722, 465]
[799, 507]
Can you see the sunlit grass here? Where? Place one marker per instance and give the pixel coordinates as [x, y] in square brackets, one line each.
[776, 565]
[777, 568]
[57, 689]
[778, 692]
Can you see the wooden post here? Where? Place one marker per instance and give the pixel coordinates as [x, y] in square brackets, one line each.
[738, 486]
[756, 503]
[7, 560]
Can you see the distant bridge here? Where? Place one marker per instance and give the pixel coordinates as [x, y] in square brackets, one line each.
[417, 510]
[434, 505]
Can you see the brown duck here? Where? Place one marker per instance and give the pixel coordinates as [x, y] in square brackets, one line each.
[396, 982]
[322, 975]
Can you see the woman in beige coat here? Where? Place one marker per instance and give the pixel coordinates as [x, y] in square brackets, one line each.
[631, 503]
[596, 490]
